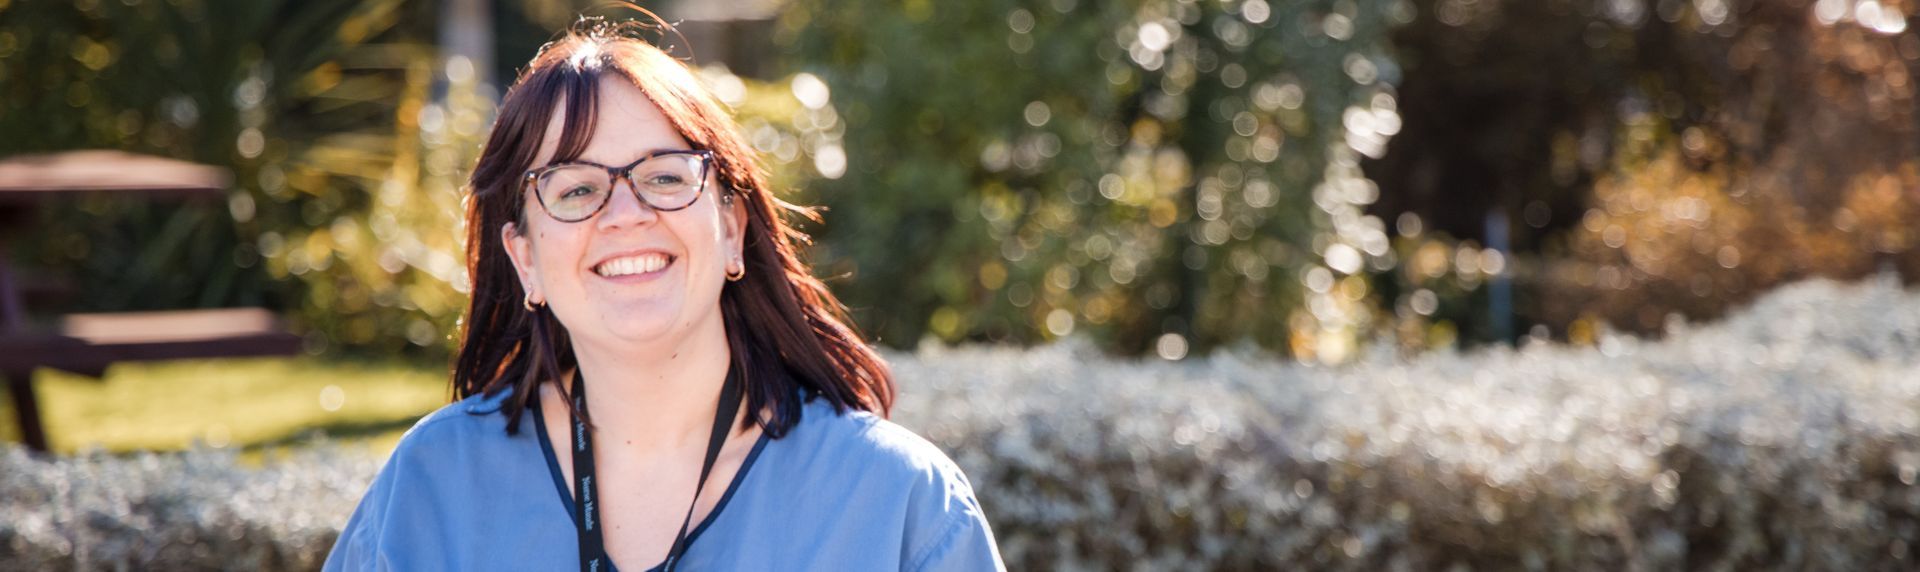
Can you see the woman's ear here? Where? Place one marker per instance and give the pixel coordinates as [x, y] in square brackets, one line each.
[735, 220]
[520, 250]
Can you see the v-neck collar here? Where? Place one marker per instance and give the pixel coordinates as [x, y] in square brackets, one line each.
[566, 498]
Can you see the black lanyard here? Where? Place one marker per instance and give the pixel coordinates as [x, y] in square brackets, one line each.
[593, 552]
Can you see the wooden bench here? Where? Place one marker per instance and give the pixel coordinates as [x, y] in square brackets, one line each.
[87, 343]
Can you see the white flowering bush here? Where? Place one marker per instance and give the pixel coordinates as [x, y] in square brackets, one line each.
[1785, 437]
[196, 510]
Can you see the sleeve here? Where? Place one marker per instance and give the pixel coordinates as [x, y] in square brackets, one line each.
[960, 539]
[358, 547]
[966, 545]
[358, 544]
[401, 522]
[352, 551]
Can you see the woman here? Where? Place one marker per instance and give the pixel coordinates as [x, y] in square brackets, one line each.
[696, 398]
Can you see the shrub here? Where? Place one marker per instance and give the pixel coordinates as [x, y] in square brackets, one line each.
[194, 510]
[1782, 438]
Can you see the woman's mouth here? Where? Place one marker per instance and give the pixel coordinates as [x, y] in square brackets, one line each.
[638, 266]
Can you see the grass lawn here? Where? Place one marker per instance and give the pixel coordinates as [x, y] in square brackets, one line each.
[257, 405]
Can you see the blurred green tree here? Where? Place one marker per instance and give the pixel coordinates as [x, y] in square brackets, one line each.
[1164, 175]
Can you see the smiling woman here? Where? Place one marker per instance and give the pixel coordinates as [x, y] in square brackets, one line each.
[623, 242]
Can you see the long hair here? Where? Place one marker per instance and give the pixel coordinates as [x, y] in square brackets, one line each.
[786, 332]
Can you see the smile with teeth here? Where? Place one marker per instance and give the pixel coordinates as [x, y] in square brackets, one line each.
[637, 264]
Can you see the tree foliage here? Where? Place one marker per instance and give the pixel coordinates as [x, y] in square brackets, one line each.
[1163, 175]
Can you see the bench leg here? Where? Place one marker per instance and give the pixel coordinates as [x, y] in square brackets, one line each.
[26, 409]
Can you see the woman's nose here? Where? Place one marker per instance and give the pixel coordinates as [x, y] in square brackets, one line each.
[625, 208]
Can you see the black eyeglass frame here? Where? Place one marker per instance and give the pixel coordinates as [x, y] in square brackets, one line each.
[531, 181]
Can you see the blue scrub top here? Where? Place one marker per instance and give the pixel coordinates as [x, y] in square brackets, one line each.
[841, 491]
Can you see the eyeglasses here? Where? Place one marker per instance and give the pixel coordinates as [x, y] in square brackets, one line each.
[576, 190]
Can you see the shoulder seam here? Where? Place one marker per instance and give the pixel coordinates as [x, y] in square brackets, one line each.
[438, 417]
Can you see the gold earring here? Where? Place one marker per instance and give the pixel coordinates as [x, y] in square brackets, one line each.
[736, 276]
[527, 302]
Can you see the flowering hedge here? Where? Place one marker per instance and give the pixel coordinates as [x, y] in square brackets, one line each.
[196, 510]
[1785, 437]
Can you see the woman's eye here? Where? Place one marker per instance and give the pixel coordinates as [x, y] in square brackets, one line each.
[664, 180]
[577, 191]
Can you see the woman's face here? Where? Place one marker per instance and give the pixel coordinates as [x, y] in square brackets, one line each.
[585, 270]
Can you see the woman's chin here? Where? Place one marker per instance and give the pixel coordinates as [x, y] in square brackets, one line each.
[640, 329]
[632, 319]
[640, 320]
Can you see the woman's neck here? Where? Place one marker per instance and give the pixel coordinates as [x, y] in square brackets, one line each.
[659, 399]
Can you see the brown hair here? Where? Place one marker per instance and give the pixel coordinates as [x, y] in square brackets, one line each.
[785, 330]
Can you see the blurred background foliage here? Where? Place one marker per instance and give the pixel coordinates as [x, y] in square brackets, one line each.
[1160, 176]
[345, 171]
[1144, 171]
[1651, 161]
